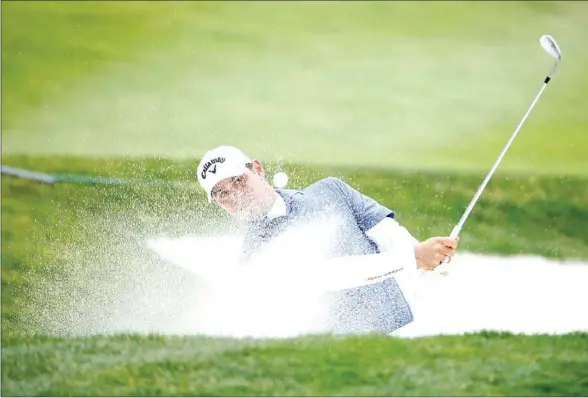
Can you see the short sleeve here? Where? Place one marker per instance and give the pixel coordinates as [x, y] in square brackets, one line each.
[367, 211]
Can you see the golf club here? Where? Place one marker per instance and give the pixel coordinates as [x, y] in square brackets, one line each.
[550, 46]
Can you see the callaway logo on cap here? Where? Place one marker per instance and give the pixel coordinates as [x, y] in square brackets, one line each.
[210, 166]
[220, 163]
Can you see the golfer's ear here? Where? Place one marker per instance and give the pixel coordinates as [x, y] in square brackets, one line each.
[257, 168]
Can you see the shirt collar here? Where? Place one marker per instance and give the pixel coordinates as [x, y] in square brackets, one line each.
[278, 209]
[283, 204]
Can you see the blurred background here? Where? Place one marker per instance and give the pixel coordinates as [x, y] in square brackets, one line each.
[419, 85]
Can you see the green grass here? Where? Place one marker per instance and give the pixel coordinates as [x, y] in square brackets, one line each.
[44, 60]
[486, 364]
[400, 84]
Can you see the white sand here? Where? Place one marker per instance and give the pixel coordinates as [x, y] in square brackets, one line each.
[520, 294]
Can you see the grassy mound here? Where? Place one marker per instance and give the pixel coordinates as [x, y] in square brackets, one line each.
[486, 364]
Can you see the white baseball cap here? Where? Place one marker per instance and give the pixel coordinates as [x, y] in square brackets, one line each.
[220, 163]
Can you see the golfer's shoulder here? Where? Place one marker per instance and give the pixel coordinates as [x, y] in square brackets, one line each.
[326, 185]
[330, 190]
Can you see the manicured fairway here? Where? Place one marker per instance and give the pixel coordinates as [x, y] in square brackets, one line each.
[403, 85]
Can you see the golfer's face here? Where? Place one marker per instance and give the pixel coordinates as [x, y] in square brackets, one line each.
[241, 196]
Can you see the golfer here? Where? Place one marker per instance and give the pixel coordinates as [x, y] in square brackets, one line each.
[361, 226]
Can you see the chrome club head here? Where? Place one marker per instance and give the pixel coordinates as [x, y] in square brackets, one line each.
[550, 46]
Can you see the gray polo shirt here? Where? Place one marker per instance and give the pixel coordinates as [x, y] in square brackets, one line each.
[376, 308]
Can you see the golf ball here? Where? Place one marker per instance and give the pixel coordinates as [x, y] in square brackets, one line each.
[280, 179]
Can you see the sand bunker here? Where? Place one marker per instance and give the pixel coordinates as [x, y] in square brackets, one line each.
[520, 294]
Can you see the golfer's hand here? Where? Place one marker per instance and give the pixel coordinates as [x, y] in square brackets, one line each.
[433, 251]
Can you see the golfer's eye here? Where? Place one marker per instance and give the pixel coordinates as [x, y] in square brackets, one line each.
[219, 195]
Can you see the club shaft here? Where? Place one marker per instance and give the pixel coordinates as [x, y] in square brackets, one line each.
[457, 229]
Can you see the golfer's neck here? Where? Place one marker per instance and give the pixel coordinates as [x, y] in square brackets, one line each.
[272, 197]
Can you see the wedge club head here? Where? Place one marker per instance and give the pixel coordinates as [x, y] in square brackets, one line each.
[550, 46]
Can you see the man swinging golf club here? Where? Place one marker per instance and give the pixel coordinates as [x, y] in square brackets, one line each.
[237, 184]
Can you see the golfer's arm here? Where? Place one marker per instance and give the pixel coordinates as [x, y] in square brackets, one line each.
[395, 241]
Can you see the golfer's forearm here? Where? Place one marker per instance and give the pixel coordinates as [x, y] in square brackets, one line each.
[395, 241]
